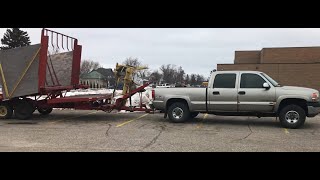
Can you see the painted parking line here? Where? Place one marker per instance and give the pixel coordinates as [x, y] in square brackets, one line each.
[129, 121]
[286, 131]
[72, 118]
[201, 124]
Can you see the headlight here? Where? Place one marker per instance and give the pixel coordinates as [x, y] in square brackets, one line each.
[315, 96]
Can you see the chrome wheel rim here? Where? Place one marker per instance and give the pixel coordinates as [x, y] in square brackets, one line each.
[292, 117]
[177, 113]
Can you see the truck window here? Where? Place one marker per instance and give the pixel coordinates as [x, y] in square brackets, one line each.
[224, 81]
[251, 81]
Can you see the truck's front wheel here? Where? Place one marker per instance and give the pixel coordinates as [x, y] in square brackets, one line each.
[292, 116]
[178, 112]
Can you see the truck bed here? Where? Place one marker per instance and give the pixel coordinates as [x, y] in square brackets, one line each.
[197, 97]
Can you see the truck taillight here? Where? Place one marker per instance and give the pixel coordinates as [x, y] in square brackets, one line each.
[153, 94]
[315, 97]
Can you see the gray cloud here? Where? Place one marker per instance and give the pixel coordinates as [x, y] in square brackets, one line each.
[196, 50]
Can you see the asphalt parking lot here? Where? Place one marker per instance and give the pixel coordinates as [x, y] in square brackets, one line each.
[71, 130]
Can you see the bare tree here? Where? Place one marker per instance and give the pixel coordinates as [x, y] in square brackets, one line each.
[88, 65]
[135, 62]
[144, 74]
[179, 74]
[168, 73]
[130, 61]
[193, 79]
[187, 79]
[155, 76]
[172, 75]
[200, 79]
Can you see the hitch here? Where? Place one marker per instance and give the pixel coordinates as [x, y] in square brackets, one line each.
[165, 114]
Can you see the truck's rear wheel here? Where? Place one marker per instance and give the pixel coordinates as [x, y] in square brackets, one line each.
[44, 111]
[23, 109]
[6, 111]
[292, 116]
[178, 112]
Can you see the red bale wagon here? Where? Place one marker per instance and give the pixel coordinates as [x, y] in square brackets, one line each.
[37, 78]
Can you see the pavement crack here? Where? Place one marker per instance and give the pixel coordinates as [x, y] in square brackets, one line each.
[245, 136]
[249, 133]
[107, 132]
[143, 125]
[154, 140]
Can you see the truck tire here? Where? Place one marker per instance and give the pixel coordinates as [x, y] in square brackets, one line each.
[292, 116]
[23, 110]
[44, 111]
[194, 114]
[6, 111]
[178, 112]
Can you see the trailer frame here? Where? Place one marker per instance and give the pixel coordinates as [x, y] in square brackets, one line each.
[54, 96]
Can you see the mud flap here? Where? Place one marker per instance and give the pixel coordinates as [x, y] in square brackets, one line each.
[165, 114]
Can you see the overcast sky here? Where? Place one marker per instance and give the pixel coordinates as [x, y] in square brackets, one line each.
[196, 50]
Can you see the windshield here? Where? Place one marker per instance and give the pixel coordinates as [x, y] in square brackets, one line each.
[273, 82]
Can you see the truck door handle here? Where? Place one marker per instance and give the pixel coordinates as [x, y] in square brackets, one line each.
[242, 92]
[216, 93]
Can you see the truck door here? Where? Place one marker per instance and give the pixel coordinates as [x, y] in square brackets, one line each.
[222, 95]
[252, 96]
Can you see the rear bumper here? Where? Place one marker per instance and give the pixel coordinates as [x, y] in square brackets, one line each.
[313, 109]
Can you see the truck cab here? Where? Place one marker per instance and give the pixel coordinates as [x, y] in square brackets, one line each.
[241, 92]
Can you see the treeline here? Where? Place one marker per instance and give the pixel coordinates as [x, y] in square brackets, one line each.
[167, 73]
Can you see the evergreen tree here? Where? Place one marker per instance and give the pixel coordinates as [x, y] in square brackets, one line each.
[193, 79]
[187, 79]
[14, 38]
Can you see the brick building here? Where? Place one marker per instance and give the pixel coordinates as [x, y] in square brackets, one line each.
[291, 66]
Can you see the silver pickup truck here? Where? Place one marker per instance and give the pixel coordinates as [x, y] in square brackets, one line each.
[240, 93]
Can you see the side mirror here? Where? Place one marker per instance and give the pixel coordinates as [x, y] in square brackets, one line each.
[266, 85]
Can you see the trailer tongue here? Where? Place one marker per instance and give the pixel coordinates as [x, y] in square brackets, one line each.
[37, 77]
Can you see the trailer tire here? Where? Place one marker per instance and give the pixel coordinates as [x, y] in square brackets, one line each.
[23, 110]
[44, 111]
[6, 111]
[178, 112]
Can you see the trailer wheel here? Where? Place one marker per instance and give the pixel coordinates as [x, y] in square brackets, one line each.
[6, 111]
[23, 110]
[178, 112]
[44, 111]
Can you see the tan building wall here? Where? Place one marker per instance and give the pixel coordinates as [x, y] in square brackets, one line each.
[305, 75]
[247, 57]
[291, 55]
